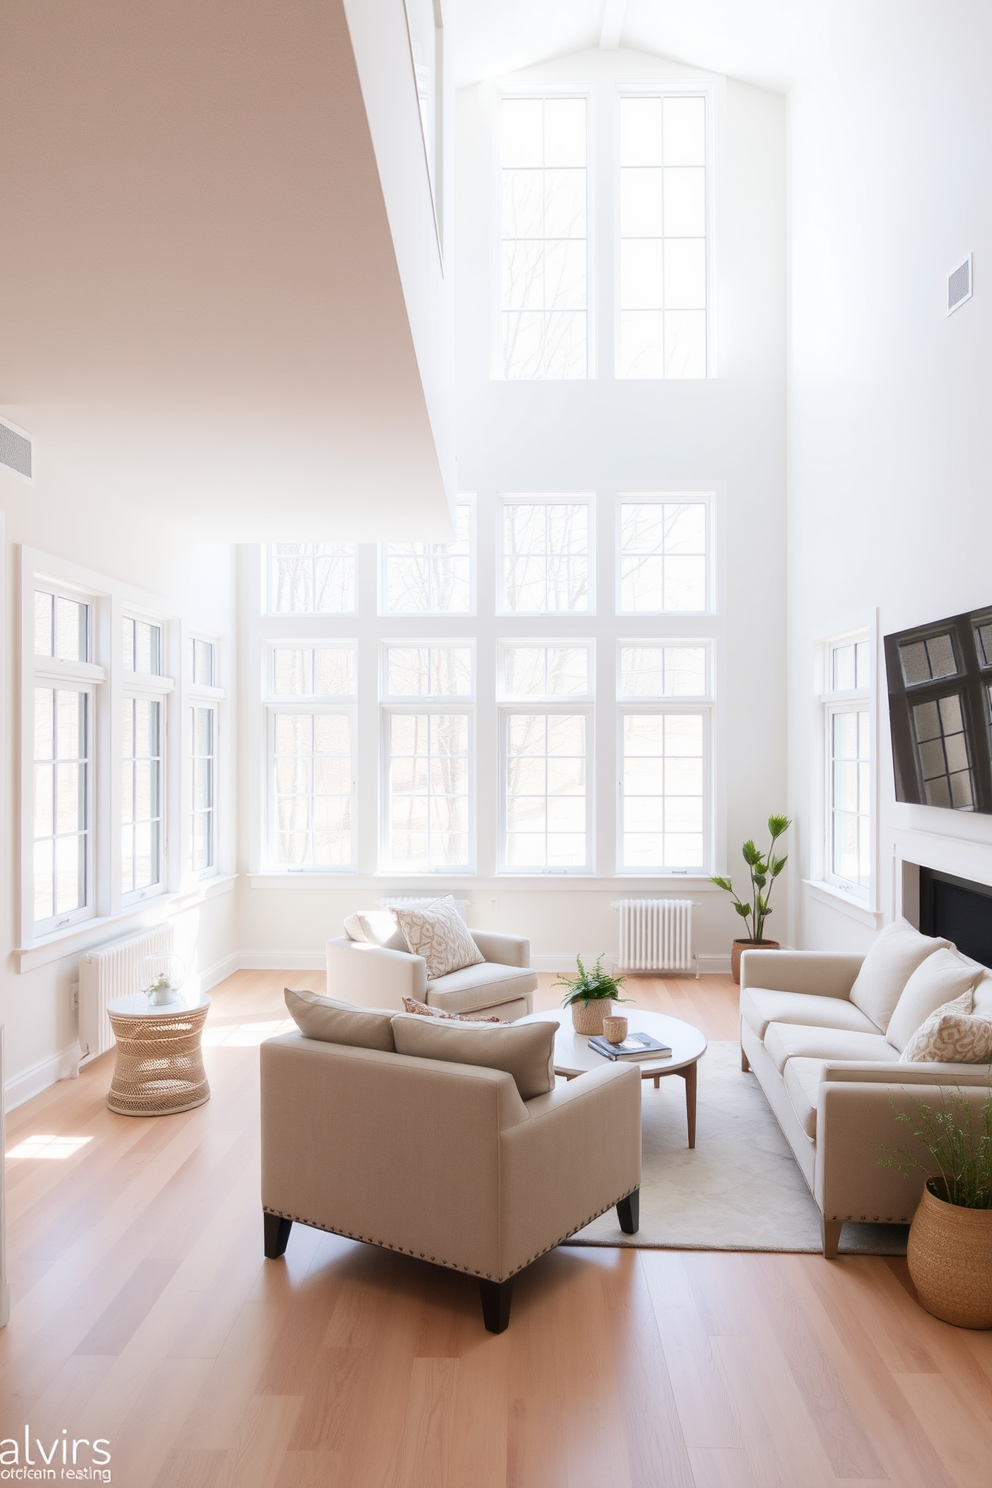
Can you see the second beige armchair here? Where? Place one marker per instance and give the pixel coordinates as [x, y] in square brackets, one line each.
[375, 976]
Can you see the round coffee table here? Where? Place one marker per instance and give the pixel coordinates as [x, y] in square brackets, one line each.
[159, 1068]
[573, 1055]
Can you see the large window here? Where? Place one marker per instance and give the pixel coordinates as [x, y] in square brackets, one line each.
[311, 578]
[664, 757]
[662, 320]
[546, 555]
[204, 727]
[663, 551]
[848, 755]
[310, 687]
[143, 739]
[543, 307]
[425, 578]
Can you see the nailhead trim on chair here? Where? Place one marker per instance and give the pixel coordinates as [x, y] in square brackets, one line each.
[869, 1218]
[315, 1224]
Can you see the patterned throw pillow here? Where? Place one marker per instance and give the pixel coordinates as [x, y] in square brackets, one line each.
[437, 932]
[411, 1005]
[953, 1035]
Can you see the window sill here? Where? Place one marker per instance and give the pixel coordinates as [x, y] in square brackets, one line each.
[89, 933]
[835, 898]
[572, 882]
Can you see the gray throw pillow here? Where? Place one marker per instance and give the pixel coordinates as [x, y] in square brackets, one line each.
[523, 1050]
[335, 1022]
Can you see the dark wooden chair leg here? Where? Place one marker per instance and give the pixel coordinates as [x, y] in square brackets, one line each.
[276, 1235]
[629, 1212]
[831, 1237]
[496, 1304]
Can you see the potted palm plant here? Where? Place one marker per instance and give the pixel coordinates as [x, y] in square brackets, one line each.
[950, 1239]
[591, 996]
[764, 869]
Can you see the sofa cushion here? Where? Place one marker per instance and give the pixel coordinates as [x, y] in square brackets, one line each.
[785, 1041]
[485, 985]
[939, 979]
[421, 1010]
[759, 1007]
[951, 1034]
[334, 1022]
[437, 932]
[803, 1078]
[888, 966]
[982, 1007]
[525, 1051]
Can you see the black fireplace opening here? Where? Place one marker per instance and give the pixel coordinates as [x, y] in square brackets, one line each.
[958, 910]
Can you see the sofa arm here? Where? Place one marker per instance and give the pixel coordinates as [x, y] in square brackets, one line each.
[933, 1073]
[821, 973]
[372, 976]
[579, 1153]
[506, 950]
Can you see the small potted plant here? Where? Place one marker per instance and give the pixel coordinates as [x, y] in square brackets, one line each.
[591, 996]
[950, 1239]
[764, 868]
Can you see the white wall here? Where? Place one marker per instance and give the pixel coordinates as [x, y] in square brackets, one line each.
[61, 515]
[890, 156]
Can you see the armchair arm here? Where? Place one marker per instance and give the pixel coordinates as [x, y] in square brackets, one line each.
[579, 1153]
[822, 973]
[506, 950]
[372, 976]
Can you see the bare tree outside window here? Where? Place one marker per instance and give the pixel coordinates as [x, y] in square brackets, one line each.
[428, 790]
[312, 578]
[546, 557]
[663, 557]
[430, 578]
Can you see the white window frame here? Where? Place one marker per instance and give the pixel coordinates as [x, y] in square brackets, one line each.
[549, 707]
[542, 643]
[543, 91]
[212, 696]
[426, 706]
[418, 616]
[831, 702]
[705, 499]
[157, 687]
[712, 92]
[268, 560]
[504, 501]
[659, 708]
[427, 643]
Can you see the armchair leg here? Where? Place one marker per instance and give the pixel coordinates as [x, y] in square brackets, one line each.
[745, 1062]
[629, 1212]
[831, 1237]
[276, 1235]
[496, 1304]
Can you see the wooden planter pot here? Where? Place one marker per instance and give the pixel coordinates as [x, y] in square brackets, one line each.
[740, 946]
[950, 1261]
[587, 1017]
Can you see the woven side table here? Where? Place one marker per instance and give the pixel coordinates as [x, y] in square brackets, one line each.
[159, 1066]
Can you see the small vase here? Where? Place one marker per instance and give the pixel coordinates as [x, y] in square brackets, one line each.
[740, 946]
[950, 1260]
[587, 1017]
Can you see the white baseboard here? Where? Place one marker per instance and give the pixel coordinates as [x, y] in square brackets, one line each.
[280, 961]
[38, 1077]
[225, 967]
[710, 963]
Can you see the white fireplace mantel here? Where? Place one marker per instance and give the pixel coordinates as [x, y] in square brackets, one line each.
[955, 855]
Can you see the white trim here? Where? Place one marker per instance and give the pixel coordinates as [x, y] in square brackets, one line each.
[38, 1077]
[855, 909]
[282, 961]
[506, 499]
[652, 708]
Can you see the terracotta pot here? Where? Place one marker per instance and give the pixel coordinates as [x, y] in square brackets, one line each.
[587, 1017]
[740, 946]
[950, 1260]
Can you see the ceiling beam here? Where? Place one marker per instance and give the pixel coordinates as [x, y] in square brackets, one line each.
[614, 14]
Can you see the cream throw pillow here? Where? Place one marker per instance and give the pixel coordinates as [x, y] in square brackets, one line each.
[896, 953]
[952, 1035]
[936, 982]
[437, 932]
[523, 1050]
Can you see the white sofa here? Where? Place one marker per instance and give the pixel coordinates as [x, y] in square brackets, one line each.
[377, 976]
[824, 1034]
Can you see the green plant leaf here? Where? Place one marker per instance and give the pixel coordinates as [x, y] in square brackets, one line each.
[742, 909]
[723, 883]
[759, 880]
[778, 824]
[777, 865]
[751, 853]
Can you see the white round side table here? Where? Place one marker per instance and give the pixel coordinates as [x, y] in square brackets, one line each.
[159, 1068]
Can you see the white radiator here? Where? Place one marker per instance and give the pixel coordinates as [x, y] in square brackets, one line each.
[110, 971]
[655, 934]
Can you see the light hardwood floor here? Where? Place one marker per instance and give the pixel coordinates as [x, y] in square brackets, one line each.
[144, 1313]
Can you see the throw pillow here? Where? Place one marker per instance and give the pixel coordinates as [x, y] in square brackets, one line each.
[379, 928]
[335, 1022]
[888, 966]
[523, 1050]
[437, 932]
[421, 1009]
[939, 979]
[953, 1035]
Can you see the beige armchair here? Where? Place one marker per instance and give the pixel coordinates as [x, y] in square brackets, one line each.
[442, 1161]
[375, 976]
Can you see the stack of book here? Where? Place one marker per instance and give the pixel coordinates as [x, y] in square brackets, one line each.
[636, 1044]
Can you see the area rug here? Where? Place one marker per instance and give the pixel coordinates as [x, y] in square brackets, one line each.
[739, 1189]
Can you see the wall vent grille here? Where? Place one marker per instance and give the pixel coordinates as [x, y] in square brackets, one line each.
[959, 285]
[15, 450]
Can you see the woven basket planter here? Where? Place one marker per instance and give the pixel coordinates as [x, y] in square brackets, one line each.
[587, 1017]
[950, 1261]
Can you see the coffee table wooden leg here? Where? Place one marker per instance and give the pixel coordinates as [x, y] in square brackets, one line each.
[689, 1076]
[657, 1082]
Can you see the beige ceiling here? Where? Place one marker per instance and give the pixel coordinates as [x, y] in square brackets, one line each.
[202, 306]
[759, 41]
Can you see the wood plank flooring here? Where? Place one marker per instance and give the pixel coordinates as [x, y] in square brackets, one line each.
[144, 1313]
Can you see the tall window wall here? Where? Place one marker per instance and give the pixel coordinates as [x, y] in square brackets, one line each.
[535, 697]
[848, 760]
